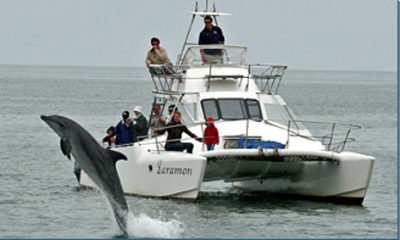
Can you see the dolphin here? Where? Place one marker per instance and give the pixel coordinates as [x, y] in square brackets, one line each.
[96, 161]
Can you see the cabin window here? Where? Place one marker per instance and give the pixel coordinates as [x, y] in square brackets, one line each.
[232, 109]
[254, 109]
[210, 108]
[277, 113]
[191, 109]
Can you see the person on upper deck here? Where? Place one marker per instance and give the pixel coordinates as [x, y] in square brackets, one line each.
[158, 55]
[175, 129]
[211, 34]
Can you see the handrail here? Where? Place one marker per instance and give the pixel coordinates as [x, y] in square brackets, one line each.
[267, 77]
[330, 140]
[335, 139]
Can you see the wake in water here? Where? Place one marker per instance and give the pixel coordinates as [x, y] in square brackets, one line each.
[143, 226]
[139, 225]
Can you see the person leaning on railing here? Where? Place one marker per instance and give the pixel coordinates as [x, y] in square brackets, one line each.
[158, 55]
[175, 128]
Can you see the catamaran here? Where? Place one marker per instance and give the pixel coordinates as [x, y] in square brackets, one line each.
[263, 147]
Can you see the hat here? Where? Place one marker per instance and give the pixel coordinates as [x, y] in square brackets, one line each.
[138, 109]
[210, 119]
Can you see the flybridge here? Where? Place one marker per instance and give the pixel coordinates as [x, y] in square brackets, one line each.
[266, 77]
[214, 14]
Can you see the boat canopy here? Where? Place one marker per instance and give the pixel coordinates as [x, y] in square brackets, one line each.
[231, 54]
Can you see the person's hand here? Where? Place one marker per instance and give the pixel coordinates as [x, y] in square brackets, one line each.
[203, 58]
[199, 139]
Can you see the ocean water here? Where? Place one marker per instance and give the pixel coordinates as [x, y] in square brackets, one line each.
[39, 197]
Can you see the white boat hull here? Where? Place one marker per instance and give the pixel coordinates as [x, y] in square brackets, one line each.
[341, 177]
[169, 175]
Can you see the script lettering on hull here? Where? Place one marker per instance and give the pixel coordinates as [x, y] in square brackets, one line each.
[161, 170]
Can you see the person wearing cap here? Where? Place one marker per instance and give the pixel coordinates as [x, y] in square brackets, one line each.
[211, 34]
[158, 55]
[140, 124]
[124, 130]
[211, 136]
[175, 129]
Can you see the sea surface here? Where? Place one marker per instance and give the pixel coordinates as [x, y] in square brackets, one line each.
[39, 197]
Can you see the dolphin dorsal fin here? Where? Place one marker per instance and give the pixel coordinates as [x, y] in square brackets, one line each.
[115, 156]
[66, 147]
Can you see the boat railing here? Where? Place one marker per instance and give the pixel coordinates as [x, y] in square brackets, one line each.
[267, 77]
[164, 76]
[159, 143]
[334, 136]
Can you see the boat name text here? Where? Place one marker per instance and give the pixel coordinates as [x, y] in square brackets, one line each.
[173, 170]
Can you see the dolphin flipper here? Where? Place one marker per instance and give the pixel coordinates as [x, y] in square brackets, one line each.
[115, 156]
[66, 147]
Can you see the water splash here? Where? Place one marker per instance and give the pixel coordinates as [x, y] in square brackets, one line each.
[144, 226]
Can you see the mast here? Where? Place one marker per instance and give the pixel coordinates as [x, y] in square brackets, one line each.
[180, 56]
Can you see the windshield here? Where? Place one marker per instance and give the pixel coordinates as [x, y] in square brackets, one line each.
[232, 109]
[233, 55]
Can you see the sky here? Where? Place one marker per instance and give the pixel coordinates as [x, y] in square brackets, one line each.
[355, 35]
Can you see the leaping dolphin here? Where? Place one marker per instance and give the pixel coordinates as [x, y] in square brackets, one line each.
[97, 162]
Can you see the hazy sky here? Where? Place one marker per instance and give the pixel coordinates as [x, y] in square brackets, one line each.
[305, 34]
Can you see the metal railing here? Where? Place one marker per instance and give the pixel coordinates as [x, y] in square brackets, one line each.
[164, 76]
[334, 136]
[266, 77]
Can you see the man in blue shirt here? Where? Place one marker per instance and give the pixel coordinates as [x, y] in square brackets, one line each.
[211, 35]
[124, 130]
